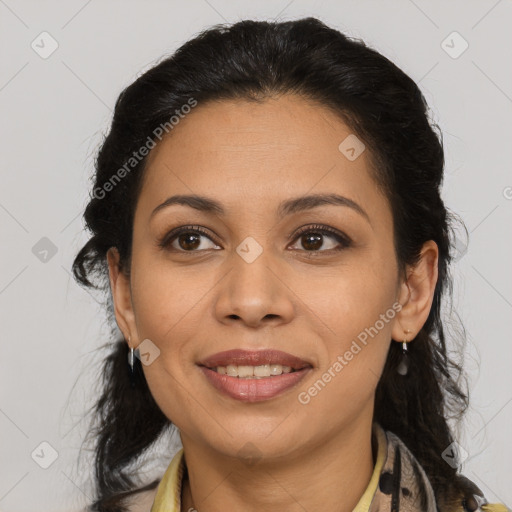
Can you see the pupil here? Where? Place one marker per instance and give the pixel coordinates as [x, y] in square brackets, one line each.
[317, 241]
[189, 239]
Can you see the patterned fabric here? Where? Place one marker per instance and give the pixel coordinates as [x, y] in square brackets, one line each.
[404, 487]
[398, 484]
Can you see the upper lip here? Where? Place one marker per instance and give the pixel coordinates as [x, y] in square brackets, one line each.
[254, 358]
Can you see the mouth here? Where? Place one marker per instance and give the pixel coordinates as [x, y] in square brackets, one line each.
[254, 376]
[254, 372]
[254, 364]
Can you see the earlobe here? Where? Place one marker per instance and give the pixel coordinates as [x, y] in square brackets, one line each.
[417, 293]
[121, 295]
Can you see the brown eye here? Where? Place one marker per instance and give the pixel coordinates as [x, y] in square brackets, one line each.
[312, 239]
[187, 239]
[312, 242]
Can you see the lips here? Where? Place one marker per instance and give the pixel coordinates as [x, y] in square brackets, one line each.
[247, 389]
[240, 357]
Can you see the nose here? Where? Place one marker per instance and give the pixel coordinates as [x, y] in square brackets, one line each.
[254, 293]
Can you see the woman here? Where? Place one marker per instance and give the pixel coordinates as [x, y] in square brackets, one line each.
[267, 216]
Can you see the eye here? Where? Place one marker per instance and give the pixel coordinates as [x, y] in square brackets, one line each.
[186, 239]
[312, 238]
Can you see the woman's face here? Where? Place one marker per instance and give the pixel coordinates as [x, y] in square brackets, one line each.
[251, 281]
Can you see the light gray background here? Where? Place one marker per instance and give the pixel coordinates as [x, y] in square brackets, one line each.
[53, 114]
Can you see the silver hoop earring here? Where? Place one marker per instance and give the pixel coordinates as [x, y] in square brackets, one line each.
[131, 359]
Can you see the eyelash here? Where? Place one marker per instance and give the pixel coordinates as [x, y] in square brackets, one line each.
[341, 238]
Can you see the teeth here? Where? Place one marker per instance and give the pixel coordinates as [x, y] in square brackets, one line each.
[243, 371]
[253, 372]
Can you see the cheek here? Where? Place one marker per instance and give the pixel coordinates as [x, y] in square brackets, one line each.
[168, 306]
[166, 299]
[352, 361]
[353, 299]
[357, 315]
[167, 309]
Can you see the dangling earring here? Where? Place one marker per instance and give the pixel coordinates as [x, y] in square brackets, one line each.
[403, 367]
[131, 360]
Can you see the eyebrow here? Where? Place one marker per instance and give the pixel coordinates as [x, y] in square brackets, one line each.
[288, 207]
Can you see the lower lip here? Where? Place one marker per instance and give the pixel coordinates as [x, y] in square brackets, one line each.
[254, 390]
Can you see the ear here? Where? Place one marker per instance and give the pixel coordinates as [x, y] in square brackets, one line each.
[121, 295]
[417, 294]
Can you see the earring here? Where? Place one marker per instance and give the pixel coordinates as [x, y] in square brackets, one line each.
[131, 360]
[403, 367]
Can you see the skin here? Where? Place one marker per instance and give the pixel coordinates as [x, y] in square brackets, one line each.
[310, 303]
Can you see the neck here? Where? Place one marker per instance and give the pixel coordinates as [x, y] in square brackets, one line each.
[312, 480]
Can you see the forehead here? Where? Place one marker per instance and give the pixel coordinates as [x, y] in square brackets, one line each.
[234, 149]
